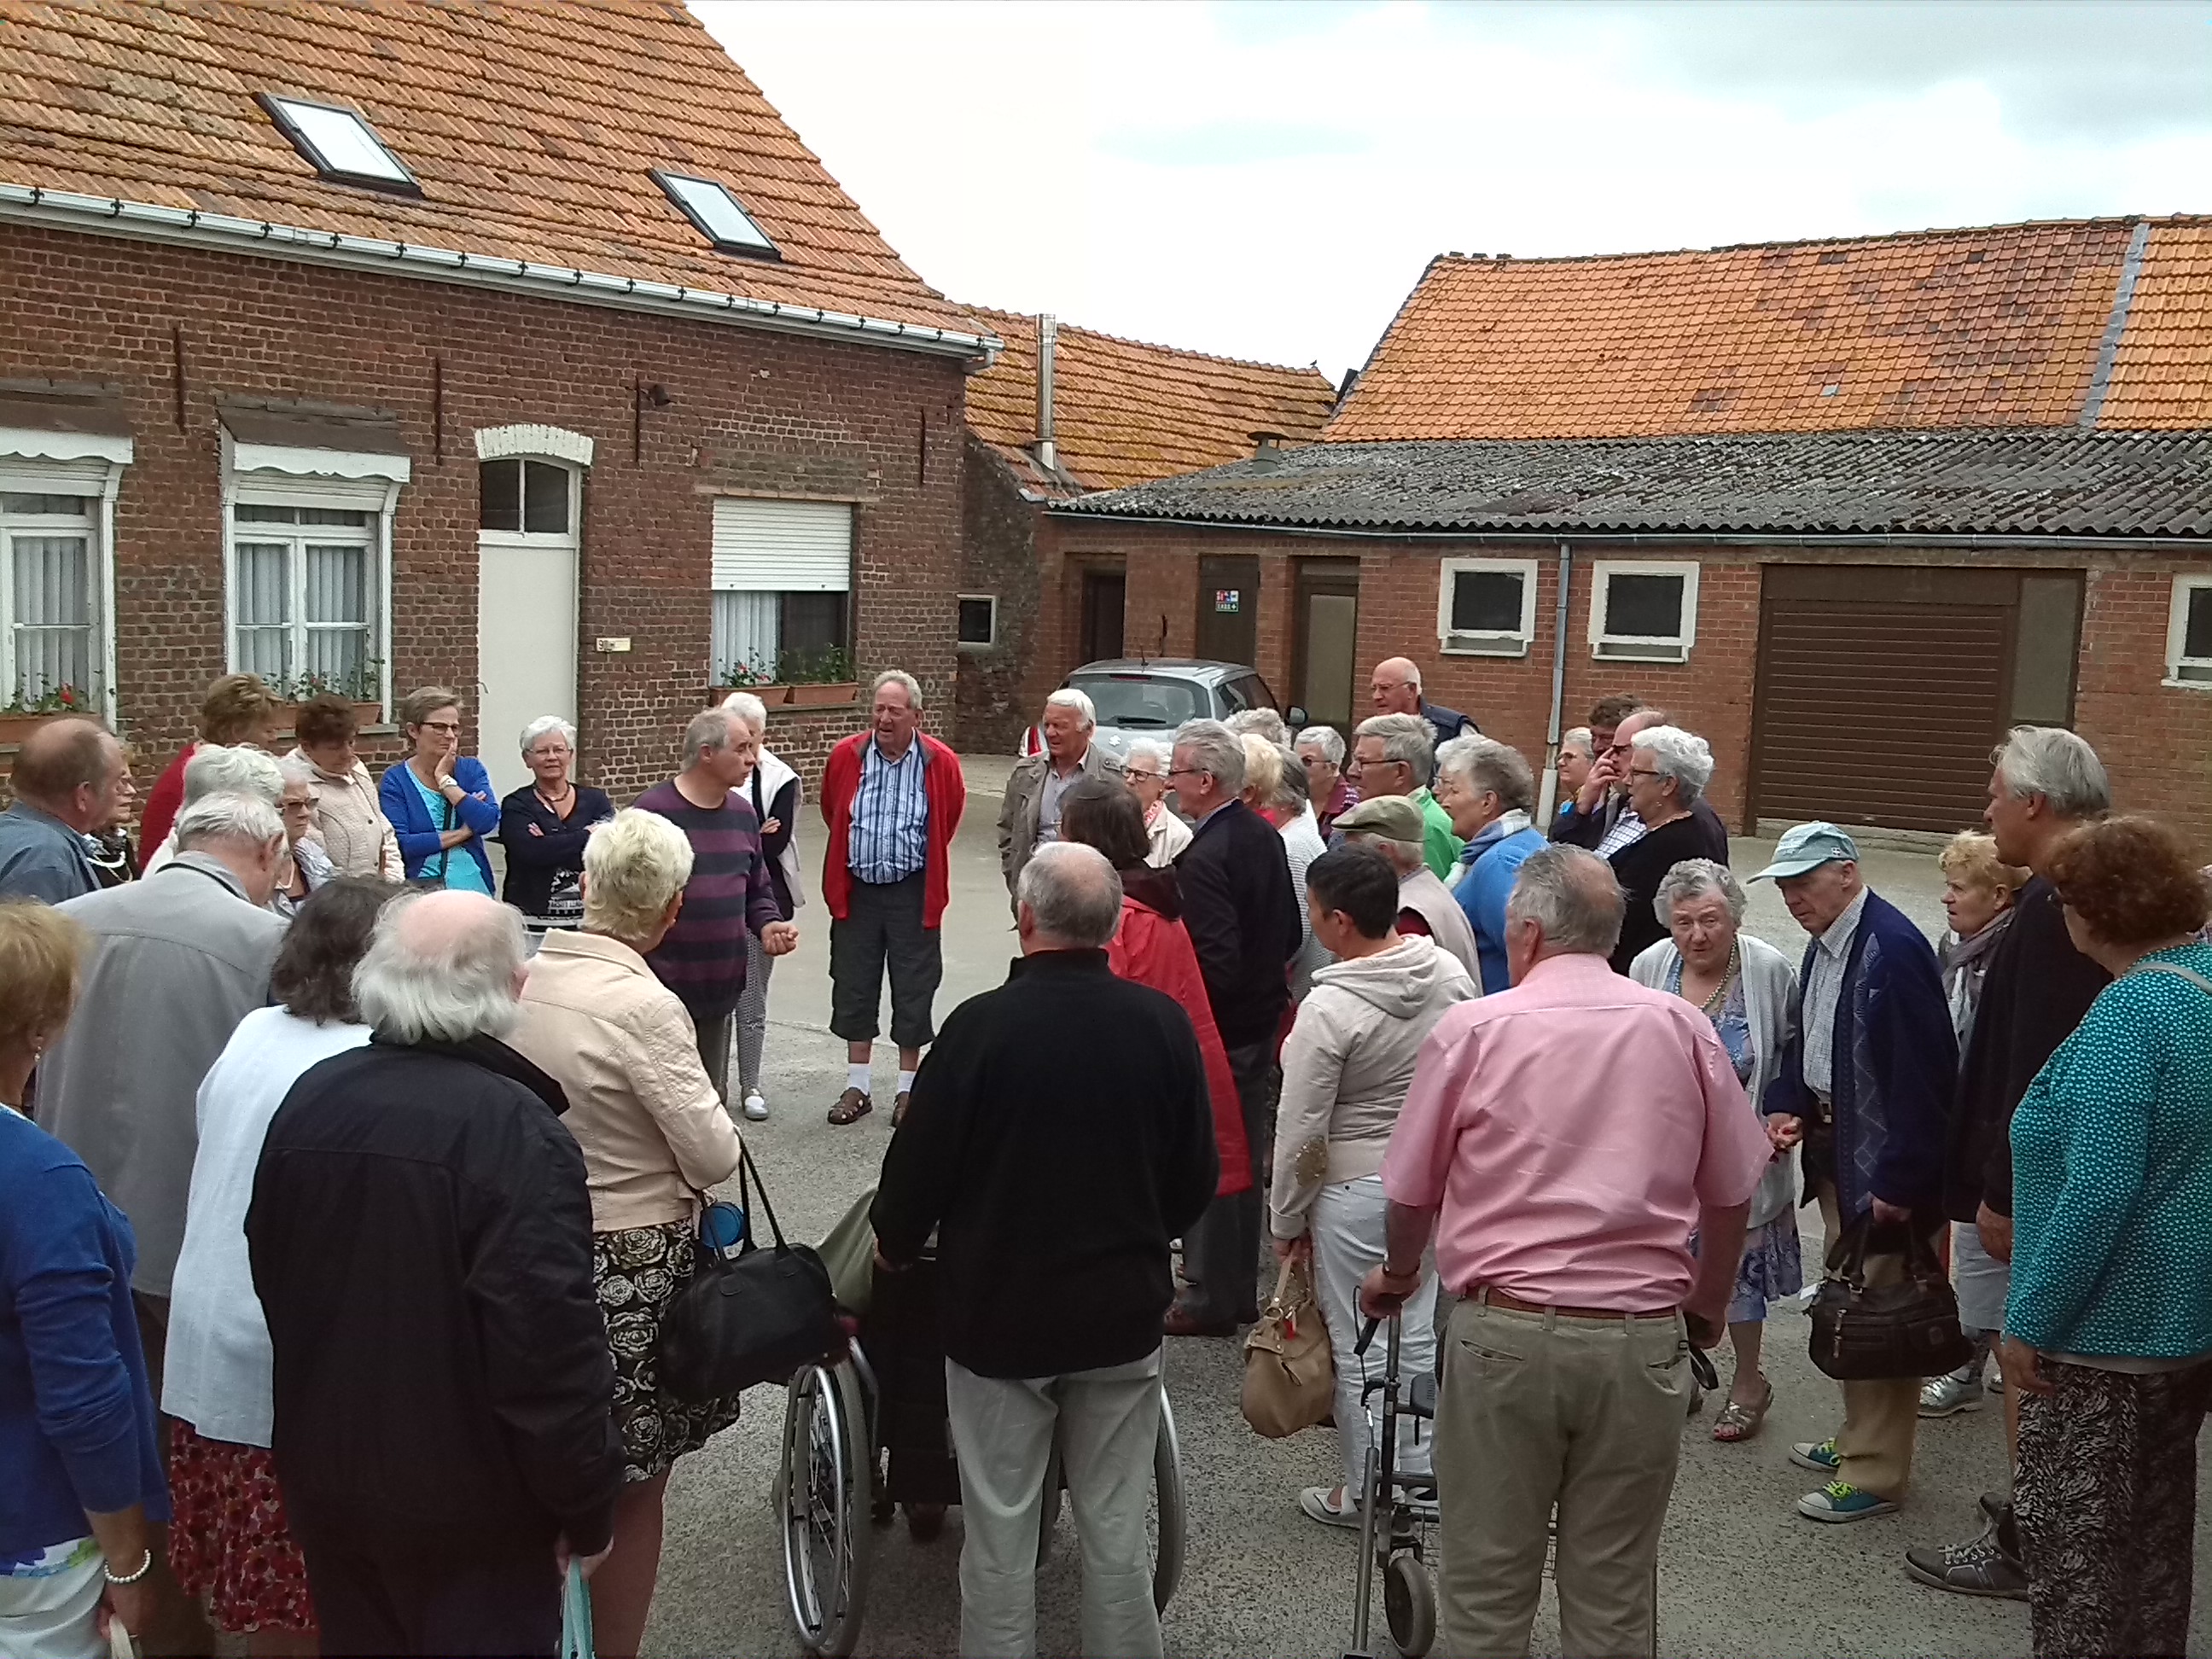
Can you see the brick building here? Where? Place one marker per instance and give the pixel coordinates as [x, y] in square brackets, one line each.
[1996, 506]
[516, 347]
[1064, 410]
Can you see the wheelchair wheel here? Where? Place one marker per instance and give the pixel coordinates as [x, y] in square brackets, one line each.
[1409, 1603]
[1164, 1525]
[825, 1491]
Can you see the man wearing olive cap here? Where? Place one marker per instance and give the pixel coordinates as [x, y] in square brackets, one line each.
[1866, 1085]
[1397, 828]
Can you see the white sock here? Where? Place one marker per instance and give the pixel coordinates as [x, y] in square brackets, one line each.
[856, 1076]
[906, 1082]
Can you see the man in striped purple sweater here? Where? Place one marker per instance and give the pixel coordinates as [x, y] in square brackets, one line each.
[703, 959]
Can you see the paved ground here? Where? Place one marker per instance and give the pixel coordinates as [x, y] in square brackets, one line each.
[1741, 1573]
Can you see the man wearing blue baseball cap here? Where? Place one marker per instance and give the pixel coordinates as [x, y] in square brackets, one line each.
[1866, 1085]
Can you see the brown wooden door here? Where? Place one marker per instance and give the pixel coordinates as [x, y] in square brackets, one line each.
[1229, 609]
[1104, 594]
[1880, 692]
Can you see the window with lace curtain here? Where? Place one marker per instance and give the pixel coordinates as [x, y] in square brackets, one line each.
[48, 653]
[304, 593]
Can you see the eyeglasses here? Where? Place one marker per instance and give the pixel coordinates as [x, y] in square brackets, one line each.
[1646, 772]
[447, 726]
[1184, 772]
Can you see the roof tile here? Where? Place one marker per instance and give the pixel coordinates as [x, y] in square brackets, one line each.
[2162, 372]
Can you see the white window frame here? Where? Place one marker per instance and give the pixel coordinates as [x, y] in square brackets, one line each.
[564, 540]
[2193, 673]
[720, 580]
[89, 464]
[1634, 647]
[1464, 643]
[267, 475]
[991, 599]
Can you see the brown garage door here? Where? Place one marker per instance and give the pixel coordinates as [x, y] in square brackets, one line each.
[1881, 691]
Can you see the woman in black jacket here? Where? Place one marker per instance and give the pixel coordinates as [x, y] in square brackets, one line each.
[1668, 770]
[544, 827]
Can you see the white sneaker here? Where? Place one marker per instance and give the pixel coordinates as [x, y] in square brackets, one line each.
[1949, 1394]
[756, 1107]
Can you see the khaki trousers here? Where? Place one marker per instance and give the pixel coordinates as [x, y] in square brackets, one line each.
[1538, 1413]
[1879, 1418]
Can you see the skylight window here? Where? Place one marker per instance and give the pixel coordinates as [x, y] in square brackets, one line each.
[719, 215]
[340, 144]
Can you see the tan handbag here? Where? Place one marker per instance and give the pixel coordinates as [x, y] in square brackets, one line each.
[1290, 1376]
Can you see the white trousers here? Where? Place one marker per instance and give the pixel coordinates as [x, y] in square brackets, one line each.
[52, 1610]
[1347, 1223]
[1106, 1422]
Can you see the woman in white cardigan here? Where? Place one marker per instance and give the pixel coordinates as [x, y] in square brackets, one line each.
[1748, 990]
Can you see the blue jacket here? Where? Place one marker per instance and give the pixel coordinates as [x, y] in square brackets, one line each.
[1492, 859]
[1895, 1066]
[418, 835]
[76, 1416]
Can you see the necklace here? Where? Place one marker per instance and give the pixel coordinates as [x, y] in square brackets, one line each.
[1712, 1004]
[552, 803]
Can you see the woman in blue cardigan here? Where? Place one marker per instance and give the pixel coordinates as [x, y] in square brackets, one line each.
[2108, 1325]
[80, 1467]
[440, 801]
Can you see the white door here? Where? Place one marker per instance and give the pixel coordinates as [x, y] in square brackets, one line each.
[525, 616]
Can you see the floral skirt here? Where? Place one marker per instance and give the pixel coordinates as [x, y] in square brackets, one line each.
[638, 1271]
[229, 1541]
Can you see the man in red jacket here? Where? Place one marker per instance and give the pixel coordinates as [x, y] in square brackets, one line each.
[893, 798]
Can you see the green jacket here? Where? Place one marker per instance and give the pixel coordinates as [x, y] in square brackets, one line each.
[1440, 847]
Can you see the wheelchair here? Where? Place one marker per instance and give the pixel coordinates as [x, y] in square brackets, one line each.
[866, 1434]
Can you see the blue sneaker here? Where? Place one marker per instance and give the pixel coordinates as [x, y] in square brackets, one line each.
[1839, 1500]
[1819, 1456]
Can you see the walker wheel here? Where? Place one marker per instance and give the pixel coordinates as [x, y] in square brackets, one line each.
[1409, 1603]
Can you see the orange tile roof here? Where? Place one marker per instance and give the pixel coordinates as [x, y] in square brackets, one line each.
[529, 122]
[1996, 326]
[1125, 412]
[2163, 373]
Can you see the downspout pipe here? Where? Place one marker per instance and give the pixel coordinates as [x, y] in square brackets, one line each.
[1554, 729]
[1046, 451]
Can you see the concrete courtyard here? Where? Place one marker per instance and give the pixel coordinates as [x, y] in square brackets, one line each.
[1740, 1572]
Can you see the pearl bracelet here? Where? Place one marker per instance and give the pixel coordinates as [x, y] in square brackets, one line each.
[144, 1567]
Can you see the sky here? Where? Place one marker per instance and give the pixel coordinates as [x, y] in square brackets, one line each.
[1269, 180]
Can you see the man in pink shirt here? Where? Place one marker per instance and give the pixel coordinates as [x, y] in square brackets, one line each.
[1569, 1132]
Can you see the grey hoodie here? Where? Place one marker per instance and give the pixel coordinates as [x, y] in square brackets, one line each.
[1348, 1064]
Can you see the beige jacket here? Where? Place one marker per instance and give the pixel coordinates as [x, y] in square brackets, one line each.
[640, 1104]
[353, 827]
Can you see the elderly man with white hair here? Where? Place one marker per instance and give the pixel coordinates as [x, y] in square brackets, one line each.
[1145, 769]
[1396, 754]
[420, 1240]
[1029, 817]
[218, 769]
[1054, 1187]
[544, 824]
[1396, 688]
[1666, 776]
[1321, 751]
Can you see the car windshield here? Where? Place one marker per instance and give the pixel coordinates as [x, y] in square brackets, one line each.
[1142, 703]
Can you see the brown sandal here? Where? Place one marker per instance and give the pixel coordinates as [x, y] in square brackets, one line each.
[1738, 1423]
[851, 1106]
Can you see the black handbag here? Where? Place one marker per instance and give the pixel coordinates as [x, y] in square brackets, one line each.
[754, 1317]
[1906, 1327]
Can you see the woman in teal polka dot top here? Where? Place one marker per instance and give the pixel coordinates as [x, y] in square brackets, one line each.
[2109, 1323]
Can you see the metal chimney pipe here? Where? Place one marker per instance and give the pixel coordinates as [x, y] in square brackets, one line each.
[1048, 340]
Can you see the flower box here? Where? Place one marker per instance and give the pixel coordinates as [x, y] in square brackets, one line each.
[365, 714]
[803, 694]
[15, 728]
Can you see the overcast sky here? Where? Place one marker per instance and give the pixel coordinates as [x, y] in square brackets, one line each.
[1268, 179]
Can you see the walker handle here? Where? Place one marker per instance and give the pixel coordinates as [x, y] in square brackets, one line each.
[1366, 1335]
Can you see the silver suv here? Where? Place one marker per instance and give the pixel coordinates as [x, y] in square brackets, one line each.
[1149, 697]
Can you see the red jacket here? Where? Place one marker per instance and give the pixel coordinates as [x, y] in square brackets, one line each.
[1155, 951]
[159, 815]
[948, 797]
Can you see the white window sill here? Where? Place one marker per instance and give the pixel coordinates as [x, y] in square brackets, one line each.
[1504, 648]
[1640, 654]
[2172, 684]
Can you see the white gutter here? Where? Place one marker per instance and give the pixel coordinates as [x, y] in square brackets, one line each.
[109, 215]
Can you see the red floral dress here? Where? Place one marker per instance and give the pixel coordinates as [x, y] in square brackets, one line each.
[229, 1541]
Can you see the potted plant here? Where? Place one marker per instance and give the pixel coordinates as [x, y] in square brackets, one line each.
[360, 688]
[807, 678]
[24, 714]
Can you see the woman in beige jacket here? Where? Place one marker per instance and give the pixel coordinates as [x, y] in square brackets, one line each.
[353, 828]
[654, 1136]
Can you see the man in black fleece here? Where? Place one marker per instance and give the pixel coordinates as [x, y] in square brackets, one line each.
[1055, 1171]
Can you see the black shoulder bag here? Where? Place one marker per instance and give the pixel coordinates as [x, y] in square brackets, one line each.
[755, 1317]
[1906, 1327]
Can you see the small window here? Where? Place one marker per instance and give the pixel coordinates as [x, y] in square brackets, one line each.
[340, 144]
[720, 218]
[1486, 607]
[48, 644]
[529, 498]
[978, 621]
[2189, 633]
[305, 589]
[1643, 612]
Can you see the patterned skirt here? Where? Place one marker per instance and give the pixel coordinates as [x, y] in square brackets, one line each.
[229, 1541]
[638, 1271]
[1772, 1267]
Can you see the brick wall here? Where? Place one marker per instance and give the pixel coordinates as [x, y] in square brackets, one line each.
[173, 328]
[2155, 740]
[998, 556]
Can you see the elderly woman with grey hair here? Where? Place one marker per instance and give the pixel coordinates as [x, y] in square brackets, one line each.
[218, 768]
[1145, 769]
[543, 826]
[1668, 770]
[775, 792]
[307, 863]
[1747, 989]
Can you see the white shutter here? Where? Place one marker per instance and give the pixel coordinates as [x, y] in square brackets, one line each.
[782, 547]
